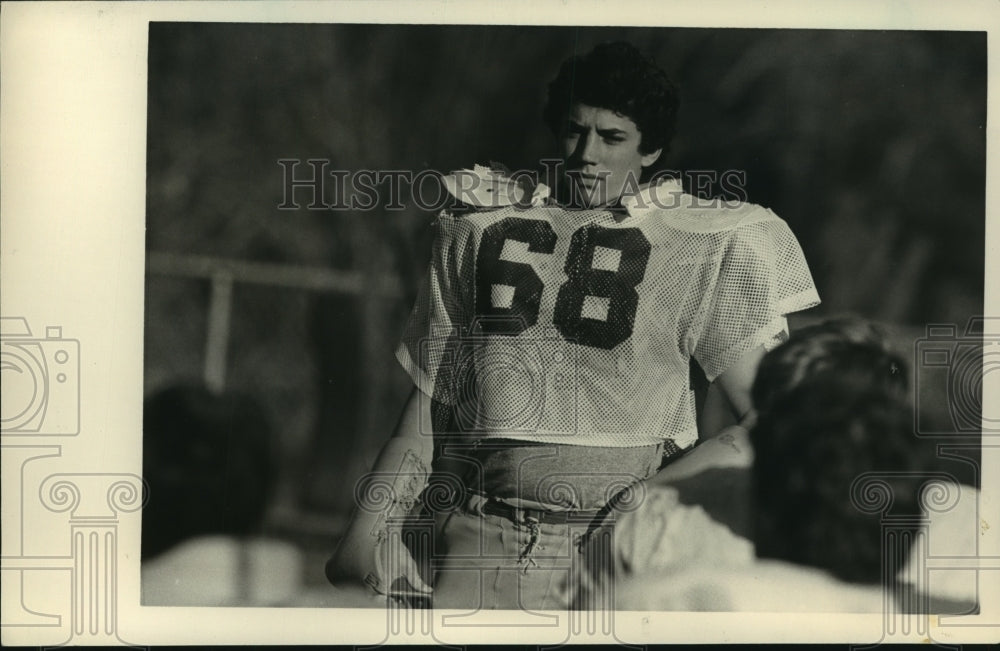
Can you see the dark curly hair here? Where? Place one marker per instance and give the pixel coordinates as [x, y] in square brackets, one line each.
[617, 77]
[832, 403]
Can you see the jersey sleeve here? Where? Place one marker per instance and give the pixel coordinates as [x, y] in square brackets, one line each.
[759, 276]
[440, 312]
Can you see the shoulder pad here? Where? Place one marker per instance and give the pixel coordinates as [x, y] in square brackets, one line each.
[717, 215]
[488, 188]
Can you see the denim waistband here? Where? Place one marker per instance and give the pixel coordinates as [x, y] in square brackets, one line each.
[557, 477]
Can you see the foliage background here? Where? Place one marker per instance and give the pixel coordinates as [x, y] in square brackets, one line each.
[870, 144]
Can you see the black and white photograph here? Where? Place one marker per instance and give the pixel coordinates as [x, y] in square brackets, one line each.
[566, 325]
[313, 251]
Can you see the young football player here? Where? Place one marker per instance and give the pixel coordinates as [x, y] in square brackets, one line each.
[550, 347]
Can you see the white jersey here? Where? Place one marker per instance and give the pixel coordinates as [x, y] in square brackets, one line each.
[566, 326]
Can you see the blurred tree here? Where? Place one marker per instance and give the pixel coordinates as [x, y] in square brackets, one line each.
[870, 144]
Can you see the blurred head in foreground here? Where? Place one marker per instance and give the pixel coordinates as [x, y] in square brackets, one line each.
[208, 464]
[832, 404]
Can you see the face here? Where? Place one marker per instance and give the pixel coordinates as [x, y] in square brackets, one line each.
[601, 152]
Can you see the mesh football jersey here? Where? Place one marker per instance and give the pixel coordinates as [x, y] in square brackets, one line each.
[566, 326]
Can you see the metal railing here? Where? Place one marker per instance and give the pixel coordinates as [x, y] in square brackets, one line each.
[223, 273]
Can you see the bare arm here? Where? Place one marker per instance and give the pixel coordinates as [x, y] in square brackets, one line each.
[737, 381]
[728, 447]
[716, 413]
[399, 475]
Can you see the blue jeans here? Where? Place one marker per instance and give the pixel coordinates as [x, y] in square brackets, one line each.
[486, 561]
[490, 562]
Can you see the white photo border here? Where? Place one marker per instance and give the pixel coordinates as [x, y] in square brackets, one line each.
[73, 138]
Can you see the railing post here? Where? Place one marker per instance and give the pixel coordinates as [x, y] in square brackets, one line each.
[217, 340]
